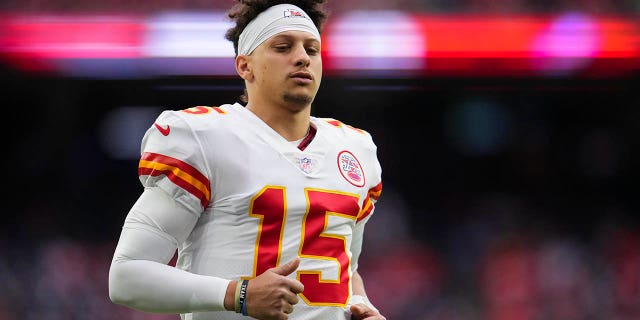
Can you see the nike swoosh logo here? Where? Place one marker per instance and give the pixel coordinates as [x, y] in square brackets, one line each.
[164, 131]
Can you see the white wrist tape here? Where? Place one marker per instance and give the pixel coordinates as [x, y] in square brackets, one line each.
[356, 299]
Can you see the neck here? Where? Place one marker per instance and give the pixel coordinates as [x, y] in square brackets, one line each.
[291, 125]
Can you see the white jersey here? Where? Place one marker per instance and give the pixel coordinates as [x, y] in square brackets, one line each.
[261, 201]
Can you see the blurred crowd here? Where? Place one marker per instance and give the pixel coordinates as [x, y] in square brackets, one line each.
[428, 6]
[482, 275]
[482, 270]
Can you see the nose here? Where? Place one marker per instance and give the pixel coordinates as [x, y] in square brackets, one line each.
[301, 56]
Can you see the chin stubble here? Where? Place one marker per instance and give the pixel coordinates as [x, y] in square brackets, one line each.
[300, 99]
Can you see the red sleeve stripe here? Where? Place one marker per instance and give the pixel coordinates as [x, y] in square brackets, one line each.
[376, 191]
[333, 122]
[179, 172]
[367, 206]
[219, 110]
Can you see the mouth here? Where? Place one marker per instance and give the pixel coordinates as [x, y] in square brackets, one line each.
[301, 75]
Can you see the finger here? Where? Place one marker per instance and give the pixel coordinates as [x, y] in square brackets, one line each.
[287, 268]
[360, 311]
[296, 286]
[291, 298]
[288, 309]
[284, 315]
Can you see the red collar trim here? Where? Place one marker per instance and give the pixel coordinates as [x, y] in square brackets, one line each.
[305, 142]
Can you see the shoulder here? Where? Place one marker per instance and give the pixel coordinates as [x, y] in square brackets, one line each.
[357, 150]
[344, 130]
[181, 129]
[195, 117]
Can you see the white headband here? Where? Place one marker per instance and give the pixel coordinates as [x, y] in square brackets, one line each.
[279, 18]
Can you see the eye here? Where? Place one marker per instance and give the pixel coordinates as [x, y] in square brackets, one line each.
[282, 47]
[312, 51]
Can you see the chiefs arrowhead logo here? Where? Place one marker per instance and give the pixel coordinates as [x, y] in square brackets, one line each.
[164, 131]
[350, 168]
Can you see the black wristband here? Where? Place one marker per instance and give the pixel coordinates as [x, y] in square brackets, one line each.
[243, 297]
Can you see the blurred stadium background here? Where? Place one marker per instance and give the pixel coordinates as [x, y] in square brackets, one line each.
[507, 131]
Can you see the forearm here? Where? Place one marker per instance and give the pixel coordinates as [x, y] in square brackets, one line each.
[154, 287]
[359, 292]
[358, 284]
[140, 277]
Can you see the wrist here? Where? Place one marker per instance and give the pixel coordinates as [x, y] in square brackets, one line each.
[359, 299]
[241, 297]
[229, 298]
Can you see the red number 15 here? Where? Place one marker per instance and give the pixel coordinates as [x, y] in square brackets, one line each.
[316, 243]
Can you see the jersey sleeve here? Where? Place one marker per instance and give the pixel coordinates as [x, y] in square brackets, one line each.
[373, 173]
[172, 160]
[374, 184]
[363, 217]
[139, 276]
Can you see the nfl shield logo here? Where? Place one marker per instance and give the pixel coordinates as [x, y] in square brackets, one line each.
[305, 165]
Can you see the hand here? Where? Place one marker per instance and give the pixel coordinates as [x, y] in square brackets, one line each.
[271, 295]
[362, 312]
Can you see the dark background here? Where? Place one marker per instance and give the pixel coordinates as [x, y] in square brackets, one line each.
[568, 147]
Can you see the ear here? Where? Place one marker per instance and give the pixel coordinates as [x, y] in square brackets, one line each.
[242, 67]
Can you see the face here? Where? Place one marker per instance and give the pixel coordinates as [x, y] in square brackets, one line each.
[287, 68]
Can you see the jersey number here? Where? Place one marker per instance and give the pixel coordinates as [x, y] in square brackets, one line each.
[270, 207]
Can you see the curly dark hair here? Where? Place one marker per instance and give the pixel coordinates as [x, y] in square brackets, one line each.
[246, 10]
